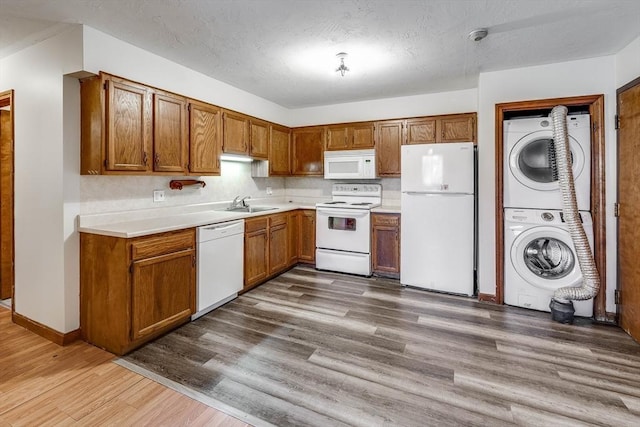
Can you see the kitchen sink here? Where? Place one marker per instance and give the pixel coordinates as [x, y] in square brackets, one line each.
[250, 209]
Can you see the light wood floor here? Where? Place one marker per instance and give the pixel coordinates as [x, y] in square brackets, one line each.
[42, 383]
[322, 349]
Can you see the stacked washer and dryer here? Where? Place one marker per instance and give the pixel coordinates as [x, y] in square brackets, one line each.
[539, 254]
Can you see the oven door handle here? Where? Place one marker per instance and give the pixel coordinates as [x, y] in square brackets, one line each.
[349, 213]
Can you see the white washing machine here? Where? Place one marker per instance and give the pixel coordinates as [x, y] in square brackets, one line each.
[540, 258]
[529, 180]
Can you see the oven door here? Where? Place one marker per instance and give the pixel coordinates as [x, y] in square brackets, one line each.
[343, 229]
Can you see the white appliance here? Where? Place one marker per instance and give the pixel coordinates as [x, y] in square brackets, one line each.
[529, 180]
[540, 258]
[220, 270]
[343, 241]
[437, 245]
[350, 164]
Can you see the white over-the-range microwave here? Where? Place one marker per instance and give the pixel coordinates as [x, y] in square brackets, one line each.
[350, 164]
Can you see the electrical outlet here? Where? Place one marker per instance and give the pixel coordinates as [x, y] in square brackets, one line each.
[158, 195]
[269, 191]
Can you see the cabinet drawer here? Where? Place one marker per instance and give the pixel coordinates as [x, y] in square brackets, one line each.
[385, 219]
[255, 224]
[277, 219]
[159, 244]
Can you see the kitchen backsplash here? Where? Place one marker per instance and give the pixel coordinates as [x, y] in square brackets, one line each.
[122, 193]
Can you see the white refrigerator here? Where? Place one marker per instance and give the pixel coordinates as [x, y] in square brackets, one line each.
[437, 226]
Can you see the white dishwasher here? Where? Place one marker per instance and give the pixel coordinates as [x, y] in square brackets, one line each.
[220, 265]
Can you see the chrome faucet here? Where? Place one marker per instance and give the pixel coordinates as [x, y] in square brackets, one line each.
[238, 202]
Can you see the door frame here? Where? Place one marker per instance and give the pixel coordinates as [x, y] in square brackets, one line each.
[631, 84]
[6, 194]
[595, 103]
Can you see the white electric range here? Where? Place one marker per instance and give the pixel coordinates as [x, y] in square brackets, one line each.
[343, 241]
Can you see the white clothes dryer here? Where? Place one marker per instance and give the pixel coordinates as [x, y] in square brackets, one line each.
[540, 257]
[530, 179]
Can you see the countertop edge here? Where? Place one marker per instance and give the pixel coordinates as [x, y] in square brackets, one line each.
[146, 227]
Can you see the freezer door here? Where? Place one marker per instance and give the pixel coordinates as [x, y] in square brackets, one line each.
[437, 242]
[446, 168]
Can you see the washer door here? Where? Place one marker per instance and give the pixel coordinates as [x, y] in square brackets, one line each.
[530, 164]
[544, 257]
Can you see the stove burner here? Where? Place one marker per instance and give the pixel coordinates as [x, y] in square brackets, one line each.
[334, 203]
[361, 204]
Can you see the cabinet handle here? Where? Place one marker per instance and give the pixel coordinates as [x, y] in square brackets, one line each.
[144, 158]
[156, 159]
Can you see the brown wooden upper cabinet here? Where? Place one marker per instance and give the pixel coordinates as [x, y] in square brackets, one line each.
[130, 128]
[170, 133]
[388, 142]
[259, 139]
[236, 128]
[458, 128]
[435, 129]
[350, 136]
[116, 132]
[279, 151]
[307, 147]
[205, 138]
[421, 130]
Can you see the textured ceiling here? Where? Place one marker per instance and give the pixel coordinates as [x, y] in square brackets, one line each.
[284, 50]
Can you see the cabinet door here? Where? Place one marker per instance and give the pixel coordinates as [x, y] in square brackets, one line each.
[307, 236]
[256, 255]
[278, 248]
[128, 126]
[421, 131]
[362, 136]
[169, 133]
[385, 238]
[205, 138]
[293, 226]
[162, 292]
[235, 133]
[307, 151]
[259, 139]
[458, 128]
[279, 159]
[337, 138]
[388, 143]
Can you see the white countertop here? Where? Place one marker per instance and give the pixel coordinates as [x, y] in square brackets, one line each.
[395, 209]
[173, 220]
[151, 221]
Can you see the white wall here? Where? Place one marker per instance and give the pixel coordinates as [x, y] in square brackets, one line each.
[36, 73]
[628, 63]
[461, 101]
[105, 53]
[575, 78]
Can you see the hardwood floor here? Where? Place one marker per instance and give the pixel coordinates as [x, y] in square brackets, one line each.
[42, 383]
[320, 349]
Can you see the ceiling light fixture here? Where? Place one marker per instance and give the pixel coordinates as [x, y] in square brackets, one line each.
[342, 69]
[478, 34]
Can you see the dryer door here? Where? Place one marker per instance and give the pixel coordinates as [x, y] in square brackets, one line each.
[545, 257]
[530, 161]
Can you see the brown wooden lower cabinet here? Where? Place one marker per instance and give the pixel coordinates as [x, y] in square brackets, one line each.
[293, 231]
[385, 242]
[307, 237]
[132, 290]
[266, 243]
[278, 243]
[256, 251]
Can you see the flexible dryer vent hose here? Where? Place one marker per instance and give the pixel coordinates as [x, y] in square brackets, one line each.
[561, 305]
